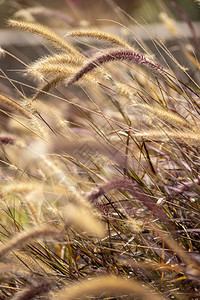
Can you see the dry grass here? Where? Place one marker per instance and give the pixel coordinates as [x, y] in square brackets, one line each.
[100, 171]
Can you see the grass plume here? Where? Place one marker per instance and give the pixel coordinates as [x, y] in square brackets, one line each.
[135, 192]
[60, 60]
[46, 33]
[160, 115]
[33, 291]
[110, 285]
[84, 219]
[7, 140]
[115, 55]
[99, 35]
[25, 236]
[182, 138]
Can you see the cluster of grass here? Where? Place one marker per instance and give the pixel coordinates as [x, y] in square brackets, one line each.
[100, 171]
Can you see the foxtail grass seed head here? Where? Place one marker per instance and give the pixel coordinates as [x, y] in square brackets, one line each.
[43, 31]
[116, 55]
[135, 190]
[7, 140]
[84, 219]
[60, 60]
[110, 285]
[99, 35]
[25, 236]
[33, 291]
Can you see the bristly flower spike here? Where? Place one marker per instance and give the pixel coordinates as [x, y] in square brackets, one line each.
[43, 31]
[99, 35]
[116, 55]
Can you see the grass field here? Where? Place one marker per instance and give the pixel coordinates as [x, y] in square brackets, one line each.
[100, 163]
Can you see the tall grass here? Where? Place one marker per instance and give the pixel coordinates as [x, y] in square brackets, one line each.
[100, 171]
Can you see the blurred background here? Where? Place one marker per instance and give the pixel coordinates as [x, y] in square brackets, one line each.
[88, 11]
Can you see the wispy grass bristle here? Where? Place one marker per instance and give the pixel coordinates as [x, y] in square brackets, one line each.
[42, 71]
[13, 270]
